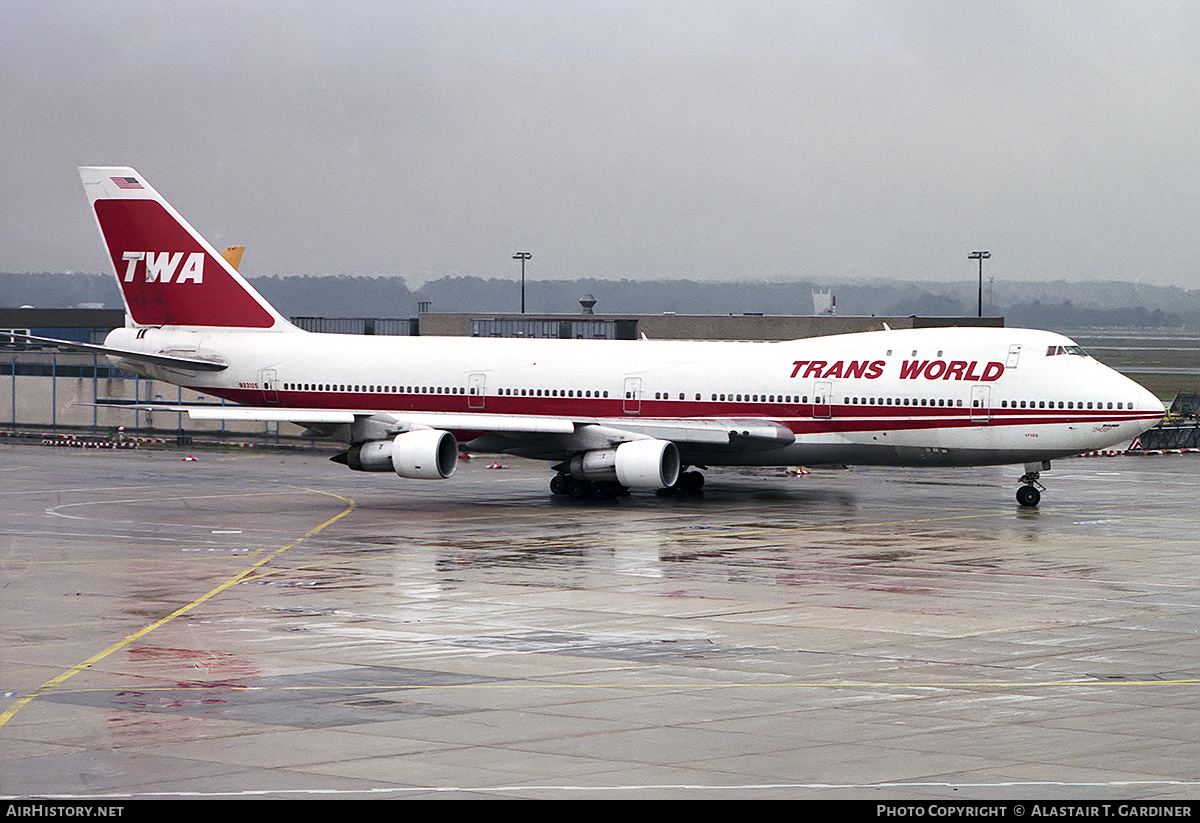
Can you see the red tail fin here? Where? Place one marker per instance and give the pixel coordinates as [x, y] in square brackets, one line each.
[169, 275]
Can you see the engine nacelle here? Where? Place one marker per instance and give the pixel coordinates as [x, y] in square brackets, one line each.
[424, 454]
[638, 464]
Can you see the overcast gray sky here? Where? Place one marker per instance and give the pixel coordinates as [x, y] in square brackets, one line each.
[711, 140]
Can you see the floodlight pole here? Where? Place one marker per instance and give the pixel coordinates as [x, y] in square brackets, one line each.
[522, 256]
[980, 256]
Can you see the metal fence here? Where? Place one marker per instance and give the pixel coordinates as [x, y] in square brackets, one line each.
[557, 328]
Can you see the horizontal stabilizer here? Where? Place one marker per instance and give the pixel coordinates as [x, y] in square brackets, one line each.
[172, 360]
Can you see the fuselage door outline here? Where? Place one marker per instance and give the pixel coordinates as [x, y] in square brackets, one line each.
[632, 402]
[475, 390]
[822, 390]
[981, 404]
[1014, 354]
[270, 385]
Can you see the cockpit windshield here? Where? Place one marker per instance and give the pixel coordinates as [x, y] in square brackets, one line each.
[1076, 350]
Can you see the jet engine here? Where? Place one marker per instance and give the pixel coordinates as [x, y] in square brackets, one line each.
[424, 454]
[638, 464]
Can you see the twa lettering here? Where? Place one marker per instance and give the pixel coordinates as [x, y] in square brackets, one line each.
[164, 266]
[909, 370]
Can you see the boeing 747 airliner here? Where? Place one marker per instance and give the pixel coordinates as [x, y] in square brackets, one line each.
[608, 415]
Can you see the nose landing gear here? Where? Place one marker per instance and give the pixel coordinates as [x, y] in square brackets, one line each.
[1030, 492]
[1029, 495]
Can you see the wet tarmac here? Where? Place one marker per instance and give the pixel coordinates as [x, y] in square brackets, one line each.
[264, 624]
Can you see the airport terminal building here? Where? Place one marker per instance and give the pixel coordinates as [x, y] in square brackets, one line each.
[44, 388]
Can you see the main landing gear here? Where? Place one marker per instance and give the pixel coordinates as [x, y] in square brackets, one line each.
[689, 483]
[566, 485]
[1030, 492]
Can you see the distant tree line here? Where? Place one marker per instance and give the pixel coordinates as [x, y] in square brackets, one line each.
[1066, 315]
[1050, 305]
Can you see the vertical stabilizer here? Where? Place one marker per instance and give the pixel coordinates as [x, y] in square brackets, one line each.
[169, 275]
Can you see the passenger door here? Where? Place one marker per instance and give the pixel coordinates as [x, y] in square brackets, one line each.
[632, 402]
[981, 404]
[822, 390]
[476, 385]
[269, 379]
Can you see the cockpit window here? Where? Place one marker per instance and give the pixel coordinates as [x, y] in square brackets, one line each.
[1051, 351]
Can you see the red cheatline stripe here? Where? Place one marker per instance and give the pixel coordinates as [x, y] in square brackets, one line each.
[843, 419]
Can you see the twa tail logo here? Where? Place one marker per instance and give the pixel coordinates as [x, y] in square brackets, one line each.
[162, 267]
[169, 275]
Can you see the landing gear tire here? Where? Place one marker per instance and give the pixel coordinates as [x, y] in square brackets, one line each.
[1029, 496]
[688, 483]
[607, 491]
[579, 489]
[564, 485]
[1030, 492]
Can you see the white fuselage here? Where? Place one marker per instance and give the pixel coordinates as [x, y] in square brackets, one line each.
[912, 397]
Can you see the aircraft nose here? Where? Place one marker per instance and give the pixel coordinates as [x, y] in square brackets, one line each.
[1146, 400]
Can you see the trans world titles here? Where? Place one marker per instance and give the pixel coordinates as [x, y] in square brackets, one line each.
[909, 369]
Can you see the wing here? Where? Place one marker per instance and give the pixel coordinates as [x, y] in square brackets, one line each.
[544, 436]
